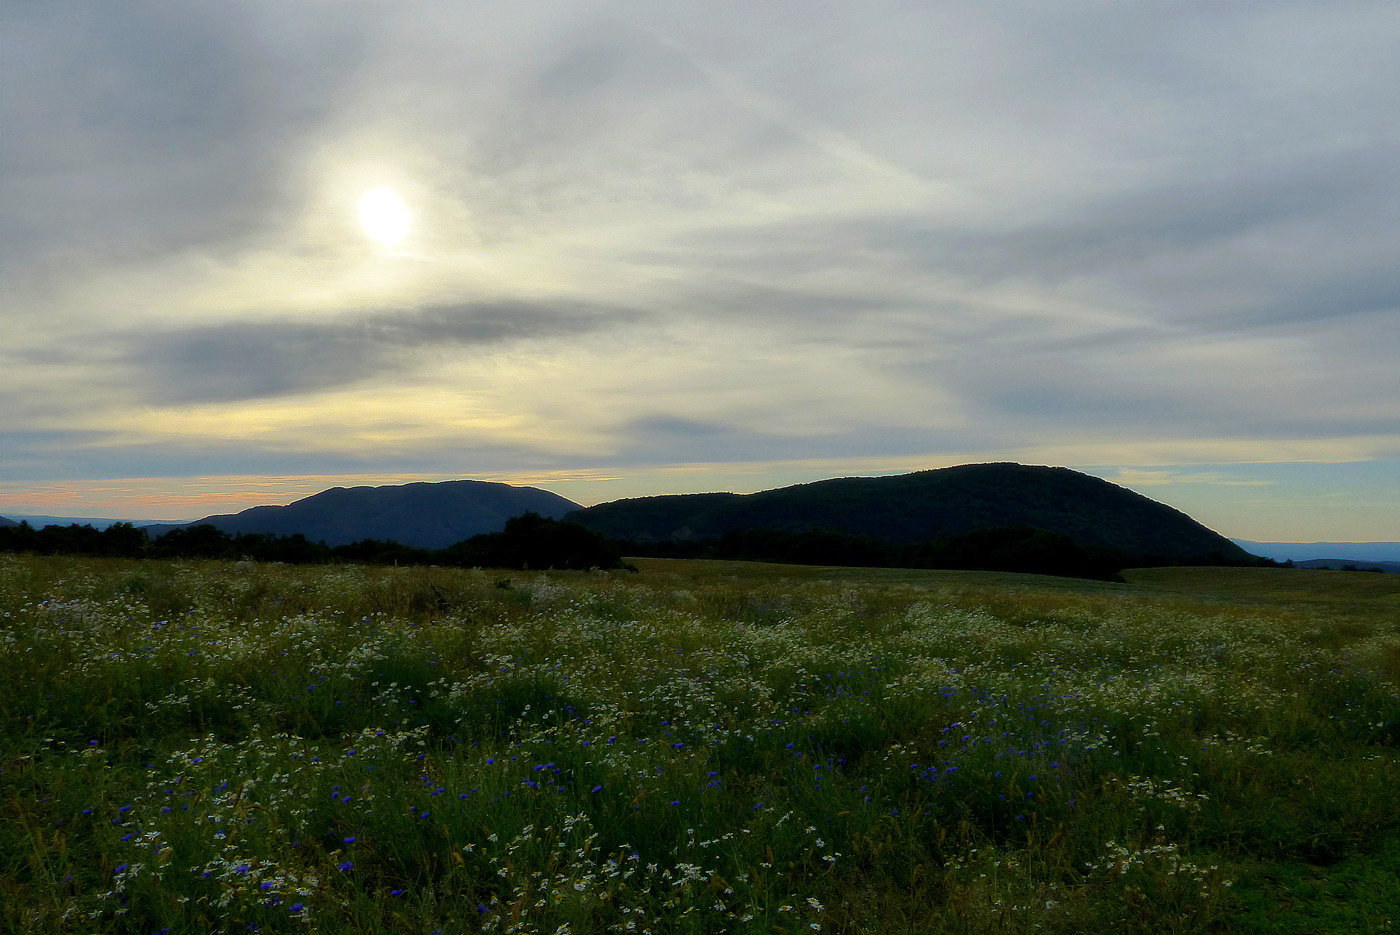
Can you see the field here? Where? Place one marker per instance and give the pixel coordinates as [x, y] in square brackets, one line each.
[197, 747]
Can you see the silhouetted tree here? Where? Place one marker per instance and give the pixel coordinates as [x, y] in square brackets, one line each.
[203, 541]
[532, 541]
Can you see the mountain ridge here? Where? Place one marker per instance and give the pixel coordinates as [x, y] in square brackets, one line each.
[428, 515]
[949, 514]
[927, 505]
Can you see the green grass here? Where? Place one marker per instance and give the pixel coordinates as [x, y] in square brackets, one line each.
[701, 747]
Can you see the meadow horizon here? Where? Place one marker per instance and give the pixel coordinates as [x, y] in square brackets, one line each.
[124, 499]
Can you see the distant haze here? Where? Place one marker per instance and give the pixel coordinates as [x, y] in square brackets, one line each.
[1306, 551]
[97, 522]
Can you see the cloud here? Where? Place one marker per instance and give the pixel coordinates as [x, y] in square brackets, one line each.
[155, 126]
[256, 360]
[653, 439]
[648, 233]
[1137, 477]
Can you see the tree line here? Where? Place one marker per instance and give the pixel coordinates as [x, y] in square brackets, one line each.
[533, 541]
[1003, 548]
[528, 541]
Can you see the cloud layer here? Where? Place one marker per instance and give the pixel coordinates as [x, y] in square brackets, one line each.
[647, 235]
[255, 360]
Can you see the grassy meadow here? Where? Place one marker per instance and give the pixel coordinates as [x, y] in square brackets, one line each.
[192, 747]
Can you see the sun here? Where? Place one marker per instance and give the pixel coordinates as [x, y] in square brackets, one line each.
[384, 216]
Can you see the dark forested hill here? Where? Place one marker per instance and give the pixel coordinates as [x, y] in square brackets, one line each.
[7, 522]
[929, 505]
[424, 515]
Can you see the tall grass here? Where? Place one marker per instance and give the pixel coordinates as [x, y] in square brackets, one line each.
[207, 747]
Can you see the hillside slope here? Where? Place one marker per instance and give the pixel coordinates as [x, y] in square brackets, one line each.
[931, 505]
[423, 515]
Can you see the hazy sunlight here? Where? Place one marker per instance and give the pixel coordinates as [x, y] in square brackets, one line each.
[384, 216]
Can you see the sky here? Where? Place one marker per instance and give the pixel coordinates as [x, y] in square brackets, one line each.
[663, 248]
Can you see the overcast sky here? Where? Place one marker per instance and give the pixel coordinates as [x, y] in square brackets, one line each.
[672, 247]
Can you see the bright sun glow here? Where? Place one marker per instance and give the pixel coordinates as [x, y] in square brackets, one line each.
[384, 216]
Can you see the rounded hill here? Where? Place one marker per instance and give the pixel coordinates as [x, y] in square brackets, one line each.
[929, 505]
[423, 515]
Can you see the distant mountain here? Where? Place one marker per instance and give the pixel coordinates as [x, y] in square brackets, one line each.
[39, 521]
[7, 522]
[1308, 551]
[423, 515]
[1348, 564]
[908, 508]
